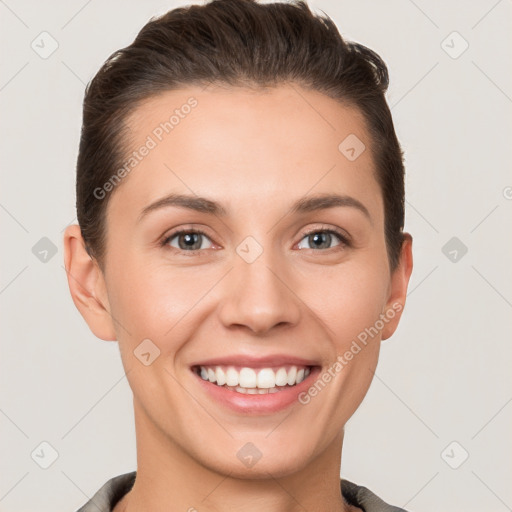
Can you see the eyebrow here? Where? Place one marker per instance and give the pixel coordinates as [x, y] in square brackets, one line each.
[303, 205]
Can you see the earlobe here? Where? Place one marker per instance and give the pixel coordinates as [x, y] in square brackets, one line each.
[87, 285]
[398, 288]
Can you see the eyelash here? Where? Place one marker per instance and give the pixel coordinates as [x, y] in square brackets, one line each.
[344, 241]
[342, 237]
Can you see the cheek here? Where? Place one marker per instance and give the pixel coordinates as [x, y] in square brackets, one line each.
[159, 303]
[145, 297]
[351, 300]
[352, 312]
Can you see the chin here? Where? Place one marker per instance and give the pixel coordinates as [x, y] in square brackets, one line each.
[247, 462]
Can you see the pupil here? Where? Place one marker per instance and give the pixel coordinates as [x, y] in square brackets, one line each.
[190, 240]
[317, 236]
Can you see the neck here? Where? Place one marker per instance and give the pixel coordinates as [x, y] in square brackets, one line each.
[167, 476]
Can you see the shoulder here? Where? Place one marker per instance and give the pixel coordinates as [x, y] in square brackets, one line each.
[110, 493]
[114, 489]
[365, 499]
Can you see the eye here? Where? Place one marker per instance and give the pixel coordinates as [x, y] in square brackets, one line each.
[187, 240]
[192, 240]
[323, 238]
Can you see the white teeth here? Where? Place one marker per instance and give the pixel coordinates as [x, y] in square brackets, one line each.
[247, 378]
[281, 377]
[266, 378]
[255, 381]
[221, 376]
[231, 377]
[292, 374]
[254, 391]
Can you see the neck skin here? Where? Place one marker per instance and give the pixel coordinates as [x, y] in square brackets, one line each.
[168, 476]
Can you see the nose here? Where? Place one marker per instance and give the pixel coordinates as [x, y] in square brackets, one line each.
[259, 296]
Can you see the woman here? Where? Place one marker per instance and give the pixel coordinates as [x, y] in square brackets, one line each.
[240, 198]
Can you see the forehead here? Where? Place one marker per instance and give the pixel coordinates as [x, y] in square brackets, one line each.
[248, 146]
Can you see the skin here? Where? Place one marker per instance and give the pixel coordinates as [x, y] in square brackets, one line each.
[256, 153]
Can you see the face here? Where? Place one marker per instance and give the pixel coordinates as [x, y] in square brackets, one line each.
[275, 259]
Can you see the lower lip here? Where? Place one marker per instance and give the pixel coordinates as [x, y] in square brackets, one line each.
[257, 404]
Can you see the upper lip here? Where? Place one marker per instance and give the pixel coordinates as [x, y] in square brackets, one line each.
[257, 362]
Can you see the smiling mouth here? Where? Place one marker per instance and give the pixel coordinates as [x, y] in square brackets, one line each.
[254, 381]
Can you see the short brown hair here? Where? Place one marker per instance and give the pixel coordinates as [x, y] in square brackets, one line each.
[238, 43]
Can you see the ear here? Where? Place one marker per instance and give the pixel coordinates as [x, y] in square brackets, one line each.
[87, 285]
[398, 288]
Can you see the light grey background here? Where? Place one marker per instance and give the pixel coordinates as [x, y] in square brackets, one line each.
[443, 377]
